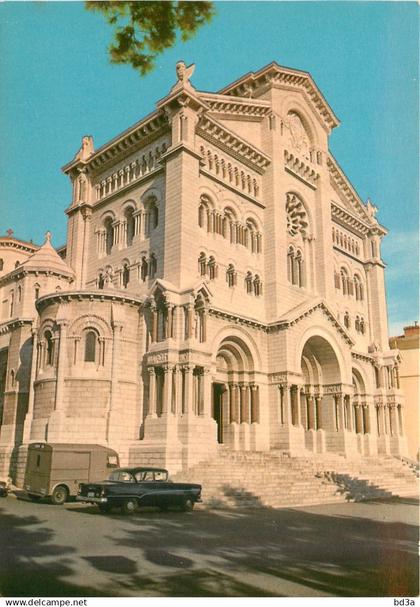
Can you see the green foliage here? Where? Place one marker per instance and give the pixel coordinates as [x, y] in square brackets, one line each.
[145, 29]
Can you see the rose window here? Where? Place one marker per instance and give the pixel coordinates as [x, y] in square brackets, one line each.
[297, 219]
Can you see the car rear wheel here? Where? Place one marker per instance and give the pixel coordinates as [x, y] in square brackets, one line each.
[59, 495]
[129, 506]
[188, 505]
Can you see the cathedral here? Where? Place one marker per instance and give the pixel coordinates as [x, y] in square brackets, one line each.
[221, 285]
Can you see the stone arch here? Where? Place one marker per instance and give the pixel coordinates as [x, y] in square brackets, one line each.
[329, 340]
[127, 204]
[93, 321]
[242, 339]
[292, 104]
[293, 191]
[320, 355]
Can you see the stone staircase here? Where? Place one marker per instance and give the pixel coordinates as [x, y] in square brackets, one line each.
[273, 479]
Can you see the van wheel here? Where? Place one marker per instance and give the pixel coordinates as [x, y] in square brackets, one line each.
[59, 495]
[129, 506]
[188, 505]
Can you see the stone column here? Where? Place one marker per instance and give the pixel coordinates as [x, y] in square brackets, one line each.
[177, 395]
[206, 393]
[167, 389]
[310, 412]
[255, 404]
[189, 389]
[154, 335]
[30, 413]
[296, 416]
[169, 327]
[234, 403]
[62, 359]
[318, 412]
[244, 407]
[152, 392]
[349, 413]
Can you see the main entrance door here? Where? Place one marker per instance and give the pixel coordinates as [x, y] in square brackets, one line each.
[217, 408]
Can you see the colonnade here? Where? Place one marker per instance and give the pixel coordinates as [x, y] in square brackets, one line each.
[389, 419]
[181, 389]
[241, 402]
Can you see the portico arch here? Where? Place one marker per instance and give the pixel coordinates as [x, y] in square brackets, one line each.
[235, 394]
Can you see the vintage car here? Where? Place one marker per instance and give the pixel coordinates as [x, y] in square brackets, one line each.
[4, 488]
[131, 488]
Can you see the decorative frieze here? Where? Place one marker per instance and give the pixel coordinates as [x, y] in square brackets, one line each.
[300, 169]
[141, 166]
[235, 146]
[229, 172]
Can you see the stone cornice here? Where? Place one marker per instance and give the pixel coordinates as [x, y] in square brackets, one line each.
[12, 243]
[13, 323]
[21, 272]
[273, 74]
[364, 357]
[302, 312]
[359, 213]
[110, 295]
[243, 107]
[138, 135]
[222, 137]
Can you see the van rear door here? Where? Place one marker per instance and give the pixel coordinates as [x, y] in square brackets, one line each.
[38, 467]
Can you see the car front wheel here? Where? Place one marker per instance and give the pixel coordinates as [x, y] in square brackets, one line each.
[59, 495]
[188, 505]
[129, 506]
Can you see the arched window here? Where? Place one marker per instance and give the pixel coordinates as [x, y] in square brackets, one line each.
[300, 278]
[358, 288]
[17, 264]
[231, 275]
[153, 215]
[248, 282]
[129, 217]
[49, 347]
[152, 265]
[297, 218]
[125, 275]
[36, 290]
[347, 320]
[101, 281]
[143, 269]
[1, 264]
[344, 281]
[212, 268]
[362, 326]
[291, 265]
[90, 346]
[257, 285]
[12, 302]
[109, 235]
[19, 291]
[229, 230]
[202, 264]
[357, 324]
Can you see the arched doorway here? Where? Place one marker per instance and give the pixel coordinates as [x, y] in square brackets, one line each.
[319, 405]
[235, 395]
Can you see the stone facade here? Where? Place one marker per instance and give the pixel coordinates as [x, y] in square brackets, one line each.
[222, 283]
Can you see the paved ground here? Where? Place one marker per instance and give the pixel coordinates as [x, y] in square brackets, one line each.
[365, 549]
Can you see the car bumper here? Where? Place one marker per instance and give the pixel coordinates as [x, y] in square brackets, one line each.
[92, 500]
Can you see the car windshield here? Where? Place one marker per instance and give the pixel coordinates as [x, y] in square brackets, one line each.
[121, 476]
[151, 475]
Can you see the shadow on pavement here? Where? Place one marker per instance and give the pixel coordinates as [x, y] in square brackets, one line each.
[236, 552]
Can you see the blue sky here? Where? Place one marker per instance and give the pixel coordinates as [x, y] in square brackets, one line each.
[58, 85]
